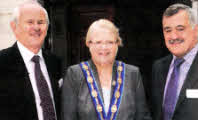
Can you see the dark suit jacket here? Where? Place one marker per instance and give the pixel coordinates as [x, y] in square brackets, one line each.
[77, 103]
[186, 108]
[17, 100]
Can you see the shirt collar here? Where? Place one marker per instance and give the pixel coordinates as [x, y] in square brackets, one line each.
[26, 53]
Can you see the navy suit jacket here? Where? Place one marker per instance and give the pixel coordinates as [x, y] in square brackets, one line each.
[17, 101]
[186, 108]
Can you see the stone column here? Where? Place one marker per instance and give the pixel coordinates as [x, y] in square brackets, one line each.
[195, 8]
[7, 37]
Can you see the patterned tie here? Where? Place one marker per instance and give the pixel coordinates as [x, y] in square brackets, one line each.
[44, 93]
[171, 91]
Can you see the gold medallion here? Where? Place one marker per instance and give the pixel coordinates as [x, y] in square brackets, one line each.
[88, 73]
[119, 80]
[90, 79]
[99, 108]
[117, 94]
[113, 108]
[94, 93]
[85, 67]
[114, 83]
[119, 68]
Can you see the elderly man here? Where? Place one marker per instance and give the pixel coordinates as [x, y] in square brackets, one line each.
[175, 80]
[29, 75]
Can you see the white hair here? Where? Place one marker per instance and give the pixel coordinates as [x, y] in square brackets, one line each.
[16, 11]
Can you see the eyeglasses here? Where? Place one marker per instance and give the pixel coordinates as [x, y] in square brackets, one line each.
[107, 43]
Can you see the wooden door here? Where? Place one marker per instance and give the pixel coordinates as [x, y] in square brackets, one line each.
[79, 20]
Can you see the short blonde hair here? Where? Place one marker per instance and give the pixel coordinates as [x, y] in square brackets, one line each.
[104, 23]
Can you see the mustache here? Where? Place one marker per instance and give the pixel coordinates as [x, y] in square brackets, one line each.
[174, 41]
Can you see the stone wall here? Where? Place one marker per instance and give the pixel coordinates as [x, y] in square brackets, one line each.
[7, 38]
[195, 8]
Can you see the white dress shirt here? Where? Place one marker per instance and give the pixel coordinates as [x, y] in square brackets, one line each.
[27, 56]
[107, 95]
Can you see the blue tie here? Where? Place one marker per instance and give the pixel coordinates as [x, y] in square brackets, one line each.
[170, 99]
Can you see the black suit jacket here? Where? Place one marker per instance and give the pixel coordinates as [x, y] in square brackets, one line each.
[186, 108]
[17, 101]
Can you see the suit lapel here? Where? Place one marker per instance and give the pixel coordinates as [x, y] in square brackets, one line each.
[96, 76]
[48, 63]
[190, 81]
[95, 73]
[22, 71]
[52, 72]
[161, 79]
[24, 83]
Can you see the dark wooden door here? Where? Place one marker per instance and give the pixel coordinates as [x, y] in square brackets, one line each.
[80, 19]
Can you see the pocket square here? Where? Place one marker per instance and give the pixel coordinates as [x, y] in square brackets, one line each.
[192, 93]
[60, 82]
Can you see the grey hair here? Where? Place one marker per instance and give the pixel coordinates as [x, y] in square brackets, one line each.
[16, 11]
[175, 8]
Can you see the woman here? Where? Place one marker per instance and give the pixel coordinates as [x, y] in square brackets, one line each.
[102, 88]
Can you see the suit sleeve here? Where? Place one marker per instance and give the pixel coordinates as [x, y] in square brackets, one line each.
[142, 112]
[69, 97]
